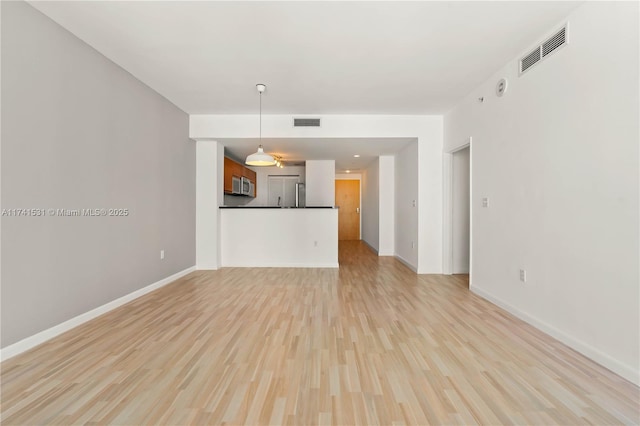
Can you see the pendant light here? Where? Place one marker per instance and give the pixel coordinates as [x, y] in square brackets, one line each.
[260, 158]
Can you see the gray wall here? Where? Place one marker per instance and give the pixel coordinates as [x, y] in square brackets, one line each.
[80, 132]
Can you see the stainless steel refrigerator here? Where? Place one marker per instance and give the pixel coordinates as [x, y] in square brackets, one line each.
[300, 195]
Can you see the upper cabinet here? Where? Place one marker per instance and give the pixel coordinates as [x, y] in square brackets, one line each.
[230, 169]
[234, 169]
[249, 174]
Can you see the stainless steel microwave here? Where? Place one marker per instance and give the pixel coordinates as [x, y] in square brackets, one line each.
[247, 187]
[236, 185]
[243, 186]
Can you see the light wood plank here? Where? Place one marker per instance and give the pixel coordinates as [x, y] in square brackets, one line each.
[370, 343]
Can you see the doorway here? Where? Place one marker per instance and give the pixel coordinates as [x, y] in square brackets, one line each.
[461, 219]
[458, 211]
[348, 203]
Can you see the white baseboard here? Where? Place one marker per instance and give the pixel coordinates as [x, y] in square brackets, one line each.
[41, 337]
[378, 252]
[371, 247]
[406, 263]
[206, 267]
[594, 354]
[283, 265]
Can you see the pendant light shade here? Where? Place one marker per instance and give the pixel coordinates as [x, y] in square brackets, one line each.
[260, 158]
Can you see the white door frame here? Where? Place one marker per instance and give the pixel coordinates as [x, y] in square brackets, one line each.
[447, 216]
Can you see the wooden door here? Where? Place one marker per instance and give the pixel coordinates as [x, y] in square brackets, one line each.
[348, 201]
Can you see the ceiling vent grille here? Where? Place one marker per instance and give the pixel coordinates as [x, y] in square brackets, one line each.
[544, 49]
[558, 39]
[306, 122]
[530, 60]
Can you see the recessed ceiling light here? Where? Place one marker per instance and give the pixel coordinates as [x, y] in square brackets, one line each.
[356, 155]
[348, 171]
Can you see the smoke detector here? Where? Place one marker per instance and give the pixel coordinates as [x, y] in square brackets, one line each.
[501, 87]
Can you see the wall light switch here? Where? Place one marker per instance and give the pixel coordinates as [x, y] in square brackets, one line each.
[485, 202]
[523, 275]
[161, 254]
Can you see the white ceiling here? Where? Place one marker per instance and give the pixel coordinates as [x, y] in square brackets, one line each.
[323, 57]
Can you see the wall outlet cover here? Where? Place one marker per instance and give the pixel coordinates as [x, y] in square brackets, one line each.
[523, 275]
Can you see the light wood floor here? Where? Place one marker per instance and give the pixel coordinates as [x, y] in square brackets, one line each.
[370, 343]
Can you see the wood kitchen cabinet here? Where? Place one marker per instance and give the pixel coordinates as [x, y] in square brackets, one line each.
[229, 170]
[233, 168]
[249, 174]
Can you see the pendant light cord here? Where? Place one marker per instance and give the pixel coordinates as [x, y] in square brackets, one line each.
[261, 118]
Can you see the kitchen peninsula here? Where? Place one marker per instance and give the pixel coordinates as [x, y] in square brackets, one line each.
[265, 236]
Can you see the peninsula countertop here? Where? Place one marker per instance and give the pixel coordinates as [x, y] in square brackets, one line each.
[277, 207]
[278, 237]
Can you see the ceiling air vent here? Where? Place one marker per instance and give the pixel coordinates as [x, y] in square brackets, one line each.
[306, 122]
[530, 60]
[558, 39]
[544, 49]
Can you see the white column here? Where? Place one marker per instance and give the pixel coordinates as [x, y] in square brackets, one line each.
[209, 196]
[320, 183]
[430, 202]
[386, 216]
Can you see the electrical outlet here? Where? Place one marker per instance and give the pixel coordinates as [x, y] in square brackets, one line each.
[315, 244]
[485, 202]
[413, 203]
[161, 254]
[523, 275]
[413, 244]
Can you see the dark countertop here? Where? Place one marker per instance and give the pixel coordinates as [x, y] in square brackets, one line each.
[276, 207]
